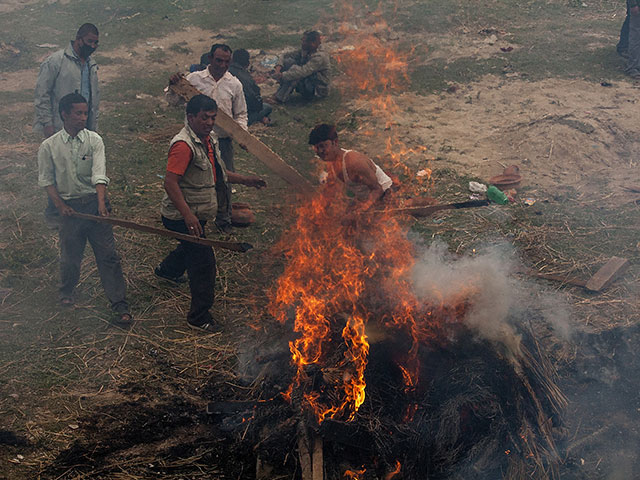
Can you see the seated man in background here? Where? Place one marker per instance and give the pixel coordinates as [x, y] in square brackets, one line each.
[72, 168]
[305, 71]
[257, 110]
[360, 175]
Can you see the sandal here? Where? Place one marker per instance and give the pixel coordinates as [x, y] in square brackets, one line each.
[66, 302]
[124, 319]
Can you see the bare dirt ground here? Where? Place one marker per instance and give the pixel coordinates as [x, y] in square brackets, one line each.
[561, 133]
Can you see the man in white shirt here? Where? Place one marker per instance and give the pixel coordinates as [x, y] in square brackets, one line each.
[217, 83]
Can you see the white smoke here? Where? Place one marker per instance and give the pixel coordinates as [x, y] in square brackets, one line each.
[497, 299]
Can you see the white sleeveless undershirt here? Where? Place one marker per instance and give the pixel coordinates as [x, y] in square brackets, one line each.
[360, 190]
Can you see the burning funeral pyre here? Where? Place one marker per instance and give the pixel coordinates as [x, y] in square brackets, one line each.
[397, 367]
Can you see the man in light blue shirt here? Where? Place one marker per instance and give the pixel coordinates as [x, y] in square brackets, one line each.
[72, 169]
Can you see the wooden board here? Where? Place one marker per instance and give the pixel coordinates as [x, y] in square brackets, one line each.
[607, 274]
[253, 145]
[234, 246]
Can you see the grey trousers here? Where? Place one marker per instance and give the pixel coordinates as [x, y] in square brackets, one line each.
[74, 233]
[633, 65]
[226, 152]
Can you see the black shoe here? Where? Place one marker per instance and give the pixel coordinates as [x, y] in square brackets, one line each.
[209, 327]
[161, 274]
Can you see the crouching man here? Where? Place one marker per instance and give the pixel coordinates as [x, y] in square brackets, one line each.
[362, 178]
[196, 190]
[72, 168]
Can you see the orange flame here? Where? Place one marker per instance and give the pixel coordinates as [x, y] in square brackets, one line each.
[395, 471]
[354, 474]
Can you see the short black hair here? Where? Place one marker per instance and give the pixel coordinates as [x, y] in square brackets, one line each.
[241, 57]
[201, 103]
[86, 29]
[223, 46]
[67, 102]
[311, 35]
[322, 132]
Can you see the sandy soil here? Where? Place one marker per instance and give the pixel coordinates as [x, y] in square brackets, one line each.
[559, 132]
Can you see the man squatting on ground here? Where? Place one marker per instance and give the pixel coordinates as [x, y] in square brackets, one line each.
[216, 82]
[72, 168]
[67, 71]
[305, 71]
[633, 62]
[366, 180]
[196, 190]
[257, 110]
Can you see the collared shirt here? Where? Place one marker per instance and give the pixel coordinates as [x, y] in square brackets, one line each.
[228, 94]
[73, 165]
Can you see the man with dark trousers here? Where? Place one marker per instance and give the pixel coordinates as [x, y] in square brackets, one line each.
[72, 169]
[196, 188]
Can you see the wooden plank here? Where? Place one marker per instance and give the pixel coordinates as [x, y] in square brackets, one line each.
[253, 145]
[304, 453]
[318, 459]
[607, 274]
[263, 153]
[234, 246]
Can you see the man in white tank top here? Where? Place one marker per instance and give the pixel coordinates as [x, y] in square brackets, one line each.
[366, 180]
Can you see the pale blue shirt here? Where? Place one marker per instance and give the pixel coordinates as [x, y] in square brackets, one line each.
[73, 165]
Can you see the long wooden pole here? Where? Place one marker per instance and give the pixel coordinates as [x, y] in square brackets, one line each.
[234, 246]
[428, 210]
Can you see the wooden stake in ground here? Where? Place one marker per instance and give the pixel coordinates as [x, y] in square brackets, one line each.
[254, 146]
[234, 246]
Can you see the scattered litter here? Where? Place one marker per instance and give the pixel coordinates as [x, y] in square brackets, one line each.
[20, 457]
[511, 194]
[74, 426]
[159, 176]
[437, 220]
[606, 84]
[506, 49]
[269, 61]
[143, 96]
[14, 460]
[425, 172]
[475, 196]
[47, 45]
[529, 201]
[496, 195]
[510, 178]
[322, 178]
[347, 48]
[477, 187]
[491, 40]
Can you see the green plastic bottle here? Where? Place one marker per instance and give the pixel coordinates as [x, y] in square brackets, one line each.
[496, 195]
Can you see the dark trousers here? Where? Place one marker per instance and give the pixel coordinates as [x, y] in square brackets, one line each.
[305, 87]
[226, 152]
[633, 63]
[623, 43]
[199, 262]
[74, 233]
[257, 116]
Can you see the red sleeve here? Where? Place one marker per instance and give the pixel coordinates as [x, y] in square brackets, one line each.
[179, 157]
